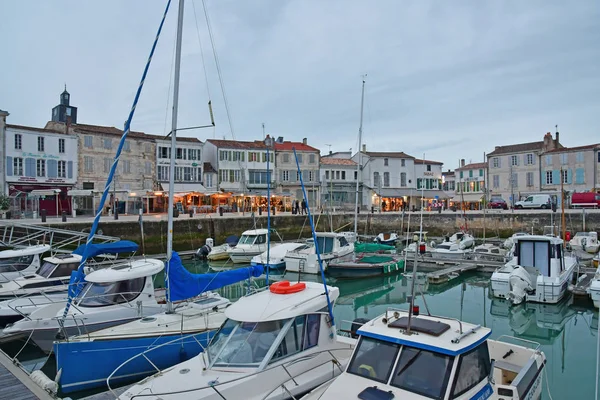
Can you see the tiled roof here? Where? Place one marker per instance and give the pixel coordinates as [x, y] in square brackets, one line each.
[31, 128]
[179, 138]
[209, 168]
[473, 166]
[578, 148]
[337, 161]
[299, 146]
[418, 161]
[517, 148]
[448, 173]
[397, 154]
[108, 130]
[234, 144]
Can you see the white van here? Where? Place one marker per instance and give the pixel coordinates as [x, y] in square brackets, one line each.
[535, 201]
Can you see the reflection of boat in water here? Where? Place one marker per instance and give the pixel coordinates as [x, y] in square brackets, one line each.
[535, 321]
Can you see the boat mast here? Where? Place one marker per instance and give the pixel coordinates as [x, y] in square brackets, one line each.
[359, 165]
[484, 198]
[563, 228]
[174, 146]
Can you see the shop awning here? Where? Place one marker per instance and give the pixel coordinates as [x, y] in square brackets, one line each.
[431, 194]
[80, 192]
[44, 192]
[389, 192]
[468, 197]
[187, 188]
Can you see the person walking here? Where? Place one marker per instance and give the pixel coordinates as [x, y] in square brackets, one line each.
[303, 206]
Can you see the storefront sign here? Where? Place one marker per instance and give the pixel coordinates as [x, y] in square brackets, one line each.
[428, 173]
[41, 156]
[473, 179]
[43, 180]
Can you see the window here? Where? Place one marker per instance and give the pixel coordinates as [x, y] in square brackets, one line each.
[106, 165]
[415, 369]
[312, 158]
[18, 142]
[429, 168]
[473, 367]
[337, 175]
[226, 155]
[579, 157]
[187, 174]
[403, 162]
[17, 166]
[163, 173]
[302, 334]
[147, 168]
[549, 180]
[529, 159]
[376, 181]
[41, 167]
[253, 156]
[68, 111]
[179, 154]
[191, 154]
[62, 169]
[103, 294]
[178, 174]
[579, 176]
[258, 177]
[470, 173]
[355, 175]
[88, 141]
[126, 166]
[285, 175]
[565, 176]
[235, 156]
[15, 264]
[514, 160]
[208, 180]
[374, 359]
[164, 152]
[61, 145]
[344, 175]
[403, 179]
[461, 174]
[481, 172]
[385, 162]
[496, 181]
[496, 162]
[40, 143]
[564, 158]
[127, 146]
[529, 179]
[286, 158]
[326, 174]
[107, 144]
[386, 179]
[88, 164]
[311, 175]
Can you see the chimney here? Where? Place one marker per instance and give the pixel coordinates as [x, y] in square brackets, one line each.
[364, 148]
[67, 125]
[557, 141]
[548, 142]
[330, 152]
[304, 141]
[462, 162]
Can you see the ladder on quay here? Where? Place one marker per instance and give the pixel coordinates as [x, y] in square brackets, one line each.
[20, 235]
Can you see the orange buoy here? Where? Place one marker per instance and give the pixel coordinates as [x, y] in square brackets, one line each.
[284, 287]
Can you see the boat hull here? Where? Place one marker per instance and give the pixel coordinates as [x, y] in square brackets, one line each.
[108, 355]
[360, 270]
[243, 258]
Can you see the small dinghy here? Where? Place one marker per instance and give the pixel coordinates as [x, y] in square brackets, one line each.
[389, 238]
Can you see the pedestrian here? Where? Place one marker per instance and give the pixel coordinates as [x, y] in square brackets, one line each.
[296, 207]
[383, 205]
[303, 206]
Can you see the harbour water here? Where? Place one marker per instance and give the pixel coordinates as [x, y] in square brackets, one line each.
[567, 332]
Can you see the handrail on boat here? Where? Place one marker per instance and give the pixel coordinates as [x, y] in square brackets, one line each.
[333, 359]
[502, 338]
[395, 315]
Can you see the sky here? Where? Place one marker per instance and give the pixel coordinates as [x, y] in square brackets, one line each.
[444, 80]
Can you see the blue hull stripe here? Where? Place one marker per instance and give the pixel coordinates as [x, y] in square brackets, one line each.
[485, 393]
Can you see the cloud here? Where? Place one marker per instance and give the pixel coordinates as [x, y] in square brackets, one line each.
[451, 79]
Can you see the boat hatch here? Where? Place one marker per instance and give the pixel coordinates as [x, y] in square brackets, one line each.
[373, 393]
[435, 328]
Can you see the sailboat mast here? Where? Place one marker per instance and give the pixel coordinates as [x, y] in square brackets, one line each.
[359, 165]
[174, 142]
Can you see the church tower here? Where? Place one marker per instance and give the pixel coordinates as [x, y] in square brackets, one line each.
[64, 110]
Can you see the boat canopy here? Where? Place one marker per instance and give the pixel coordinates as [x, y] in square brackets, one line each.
[183, 285]
[126, 270]
[27, 251]
[122, 246]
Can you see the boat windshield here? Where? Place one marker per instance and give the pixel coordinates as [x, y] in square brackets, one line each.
[46, 269]
[243, 344]
[583, 234]
[14, 264]
[251, 239]
[443, 246]
[325, 244]
[105, 294]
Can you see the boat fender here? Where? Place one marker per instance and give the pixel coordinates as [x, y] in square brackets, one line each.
[284, 287]
[432, 244]
[356, 324]
[44, 382]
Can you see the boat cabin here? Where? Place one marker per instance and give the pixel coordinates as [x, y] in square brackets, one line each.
[120, 284]
[26, 260]
[540, 255]
[59, 266]
[252, 237]
[267, 327]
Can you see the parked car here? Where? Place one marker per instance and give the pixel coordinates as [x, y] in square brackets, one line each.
[535, 201]
[587, 199]
[497, 202]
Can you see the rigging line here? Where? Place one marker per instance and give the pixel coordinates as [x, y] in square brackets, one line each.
[201, 49]
[218, 65]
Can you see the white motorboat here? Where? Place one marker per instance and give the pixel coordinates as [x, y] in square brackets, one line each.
[509, 243]
[585, 241]
[350, 236]
[54, 274]
[16, 263]
[251, 243]
[456, 247]
[439, 358]
[389, 238]
[276, 257]
[275, 344]
[539, 271]
[490, 252]
[18, 308]
[111, 296]
[304, 259]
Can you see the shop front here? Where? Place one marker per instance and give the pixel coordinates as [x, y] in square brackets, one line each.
[467, 201]
[28, 200]
[434, 200]
[388, 199]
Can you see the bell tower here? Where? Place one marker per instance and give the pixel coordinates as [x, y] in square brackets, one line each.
[64, 110]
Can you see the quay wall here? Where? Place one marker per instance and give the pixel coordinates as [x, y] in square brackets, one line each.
[191, 233]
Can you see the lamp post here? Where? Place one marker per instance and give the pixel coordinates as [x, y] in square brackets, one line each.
[268, 142]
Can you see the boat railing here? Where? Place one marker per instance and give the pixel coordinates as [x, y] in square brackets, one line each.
[268, 372]
[32, 303]
[529, 343]
[394, 313]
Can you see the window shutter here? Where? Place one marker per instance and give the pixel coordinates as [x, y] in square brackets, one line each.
[556, 177]
[569, 176]
[70, 169]
[52, 166]
[30, 167]
[534, 157]
[9, 166]
[499, 162]
[525, 159]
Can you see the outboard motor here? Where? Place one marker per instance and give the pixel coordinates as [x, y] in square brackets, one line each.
[202, 252]
[356, 324]
[520, 284]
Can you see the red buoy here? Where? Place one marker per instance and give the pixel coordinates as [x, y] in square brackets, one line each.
[284, 287]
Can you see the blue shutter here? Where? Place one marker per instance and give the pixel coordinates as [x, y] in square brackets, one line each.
[534, 157]
[556, 177]
[9, 166]
[30, 167]
[499, 162]
[579, 179]
[52, 168]
[569, 176]
[70, 169]
[524, 159]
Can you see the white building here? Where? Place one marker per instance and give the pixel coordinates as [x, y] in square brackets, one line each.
[287, 180]
[579, 165]
[470, 185]
[449, 183]
[40, 164]
[188, 165]
[338, 181]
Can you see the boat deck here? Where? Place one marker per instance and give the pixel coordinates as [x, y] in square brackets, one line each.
[580, 287]
[15, 384]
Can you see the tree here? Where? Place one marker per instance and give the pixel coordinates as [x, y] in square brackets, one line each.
[4, 202]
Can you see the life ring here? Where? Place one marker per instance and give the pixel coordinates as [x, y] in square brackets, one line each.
[284, 287]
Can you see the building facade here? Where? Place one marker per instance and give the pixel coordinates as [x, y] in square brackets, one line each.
[428, 176]
[576, 168]
[449, 182]
[514, 171]
[64, 112]
[338, 182]
[470, 186]
[287, 179]
[41, 167]
[188, 164]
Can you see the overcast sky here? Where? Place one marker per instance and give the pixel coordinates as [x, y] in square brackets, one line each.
[451, 79]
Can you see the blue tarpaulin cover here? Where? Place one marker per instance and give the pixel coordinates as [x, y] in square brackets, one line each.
[122, 246]
[182, 284]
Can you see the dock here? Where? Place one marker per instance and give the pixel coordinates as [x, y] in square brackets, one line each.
[15, 384]
[446, 274]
